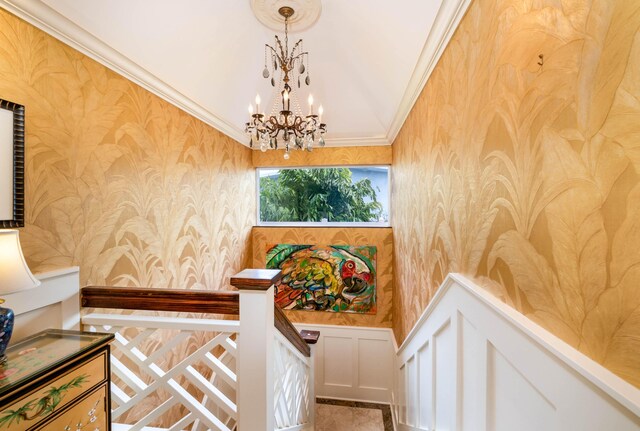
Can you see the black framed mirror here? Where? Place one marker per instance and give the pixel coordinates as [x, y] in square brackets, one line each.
[11, 164]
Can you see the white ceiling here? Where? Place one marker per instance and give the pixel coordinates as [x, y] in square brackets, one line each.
[369, 59]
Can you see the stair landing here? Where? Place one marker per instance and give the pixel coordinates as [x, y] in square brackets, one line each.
[340, 415]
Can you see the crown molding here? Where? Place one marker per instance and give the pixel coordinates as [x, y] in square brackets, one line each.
[449, 16]
[373, 141]
[51, 22]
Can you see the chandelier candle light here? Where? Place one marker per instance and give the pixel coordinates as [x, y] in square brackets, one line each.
[286, 127]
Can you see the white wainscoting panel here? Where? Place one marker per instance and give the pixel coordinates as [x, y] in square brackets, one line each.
[353, 363]
[53, 304]
[473, 363]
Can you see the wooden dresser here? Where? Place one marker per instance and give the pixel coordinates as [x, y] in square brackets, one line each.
[56, 380]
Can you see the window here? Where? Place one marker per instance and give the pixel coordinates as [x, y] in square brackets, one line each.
[324, 196]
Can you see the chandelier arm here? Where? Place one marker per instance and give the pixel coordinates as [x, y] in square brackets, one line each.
[282, 51]
[295, 47]
[274, 122]
[271, 48]
[299, 55]
[300, 126]
[277, 56]
[273, 53]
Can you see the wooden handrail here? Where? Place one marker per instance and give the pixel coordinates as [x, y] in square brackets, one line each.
[286, 328]
[136, 298]
[191, 301]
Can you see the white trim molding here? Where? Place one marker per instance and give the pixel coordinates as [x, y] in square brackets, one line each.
[474, 363]
[50, 21]
[447, 20]
[55, 303]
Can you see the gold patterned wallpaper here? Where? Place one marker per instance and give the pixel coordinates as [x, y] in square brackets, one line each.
[526, 177]
[382, 238]
[522, 176]
[119, 182]
[328, 156]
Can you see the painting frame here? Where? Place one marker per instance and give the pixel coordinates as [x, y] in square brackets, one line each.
[12, 163]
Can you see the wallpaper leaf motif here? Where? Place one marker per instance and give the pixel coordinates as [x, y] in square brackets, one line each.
[533, 275]
[600, 79]
[535, 166]
[576, 224]
[611, 328]
[121, 183]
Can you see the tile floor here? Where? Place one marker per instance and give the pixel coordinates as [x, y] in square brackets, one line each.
[334, 415]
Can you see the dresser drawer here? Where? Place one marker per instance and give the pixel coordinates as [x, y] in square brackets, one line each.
[88, 413]
[53, 395]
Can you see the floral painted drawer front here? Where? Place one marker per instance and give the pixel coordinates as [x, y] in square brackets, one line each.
[88, 415]
[53, 396]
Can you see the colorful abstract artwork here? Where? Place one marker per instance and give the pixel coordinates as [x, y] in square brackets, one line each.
[338, 278]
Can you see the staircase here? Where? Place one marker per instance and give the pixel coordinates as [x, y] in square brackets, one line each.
[191, 371]
[470, 363]
[474, 363]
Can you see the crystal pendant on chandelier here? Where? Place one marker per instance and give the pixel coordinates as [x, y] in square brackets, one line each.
[286, 126]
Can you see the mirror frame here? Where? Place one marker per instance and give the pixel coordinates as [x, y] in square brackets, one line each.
[18, 165]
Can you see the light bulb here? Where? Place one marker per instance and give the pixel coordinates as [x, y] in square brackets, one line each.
[320, 112]
[257, 99]
[250, 109]
[286, 155]
[286, 96]
[310, 100]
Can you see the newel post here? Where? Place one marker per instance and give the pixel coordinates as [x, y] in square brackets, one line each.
[255, 362]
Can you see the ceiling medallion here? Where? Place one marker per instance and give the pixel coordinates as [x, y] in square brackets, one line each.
[286, 127]
[306, 13]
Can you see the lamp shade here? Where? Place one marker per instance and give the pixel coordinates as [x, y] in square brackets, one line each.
[14, 272]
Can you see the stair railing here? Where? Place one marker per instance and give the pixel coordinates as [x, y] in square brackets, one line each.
[189, 371]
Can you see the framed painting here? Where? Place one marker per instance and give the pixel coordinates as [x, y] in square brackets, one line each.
[334, 278]
[11, 164]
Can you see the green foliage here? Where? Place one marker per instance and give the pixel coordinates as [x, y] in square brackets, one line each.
[43, 406]
[315, 194]
[12, 416]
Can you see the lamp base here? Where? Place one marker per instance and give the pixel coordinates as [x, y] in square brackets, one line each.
[6, 329]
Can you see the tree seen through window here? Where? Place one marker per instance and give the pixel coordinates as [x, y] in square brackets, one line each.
[320, 195]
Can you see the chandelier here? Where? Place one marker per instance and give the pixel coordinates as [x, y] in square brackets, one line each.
[286, 127]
